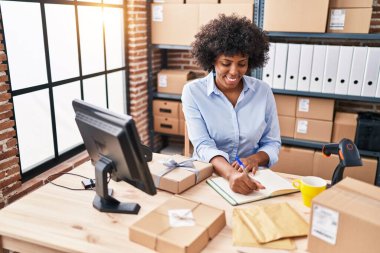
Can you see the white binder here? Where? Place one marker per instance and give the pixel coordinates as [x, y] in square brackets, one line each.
[378, 87]
[292, 66]
[279, 71]
[331, 68]
[304, 73]
[317, 68]
[359, 59]
[344, 68]
[371, 72]
[268, 69]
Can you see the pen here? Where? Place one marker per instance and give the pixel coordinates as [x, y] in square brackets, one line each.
[241, 164]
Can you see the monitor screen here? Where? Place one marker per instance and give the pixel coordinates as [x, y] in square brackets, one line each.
[115, 149]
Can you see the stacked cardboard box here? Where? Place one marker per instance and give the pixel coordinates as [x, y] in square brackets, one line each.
[286, 110]
[344, 126]
[349, 16]
[314, 119]
[295, 161]
[168, 117]
[172, 80]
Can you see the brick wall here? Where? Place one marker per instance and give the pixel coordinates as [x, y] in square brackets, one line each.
[375, 21]
[10, 178]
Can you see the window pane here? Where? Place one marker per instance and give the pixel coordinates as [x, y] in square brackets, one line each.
[67, 131]
[91, 39]
[25, 45]
[113, 1]
[34, 130]
[92, 1]
[117, 92]
[62, 37]
[94, 90]
[114, 31]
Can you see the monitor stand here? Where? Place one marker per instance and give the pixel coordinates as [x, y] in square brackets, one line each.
[103, 200]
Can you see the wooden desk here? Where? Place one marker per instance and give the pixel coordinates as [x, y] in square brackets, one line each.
[53, 219]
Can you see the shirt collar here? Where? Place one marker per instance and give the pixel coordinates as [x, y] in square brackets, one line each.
[211, 87]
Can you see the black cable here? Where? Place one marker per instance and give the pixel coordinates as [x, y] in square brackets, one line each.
[48, 180]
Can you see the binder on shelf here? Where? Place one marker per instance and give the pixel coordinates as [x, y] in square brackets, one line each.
[331, 68]
[371, 72]
[268, 69]
[292, 66]
[344, 68]
[304, 73]
[317, 68]
[359, 59]
[279, 70]
[378, 87]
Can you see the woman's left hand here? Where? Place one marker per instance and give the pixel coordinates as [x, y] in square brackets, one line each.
[250, 163]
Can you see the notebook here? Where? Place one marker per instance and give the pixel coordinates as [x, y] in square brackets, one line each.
[275, 186]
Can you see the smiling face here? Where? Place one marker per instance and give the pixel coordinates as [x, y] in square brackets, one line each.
[229, 71]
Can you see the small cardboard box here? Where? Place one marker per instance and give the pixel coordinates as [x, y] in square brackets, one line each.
[351, 3]
[345, 218]
[287, 125]
[166, 125]
[297, 161]
[208, 12]
[179, 179]
[201, 1]
[237, 1]
[181, 127]
[349, 20]
[173, 80]
[315, 108]
[169, 20]
[158, 232]
[324, 167]
[286, 105]
[169, 1]
[295, 15]
[313, 130]
[344, 126]
[165, 108]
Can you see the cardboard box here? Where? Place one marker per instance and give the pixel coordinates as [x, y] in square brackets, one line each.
[286, 105]
[315, 108]
[208, 12]
[287, 125]
[295, 161]
[201, 1]
[166, 125]
[354, 20]
[169, 1]
[166, 108]
[295, 15]
[169, 20]
[344, 126]
[237, 1]
[345, 218]
[324, 167]
[180, 111]
[351, 3]
[313, 130]
[155, 231]
[178, 179]
[181, 127]
[173, 80]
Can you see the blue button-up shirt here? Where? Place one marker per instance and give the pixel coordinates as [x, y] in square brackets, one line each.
[216, 128]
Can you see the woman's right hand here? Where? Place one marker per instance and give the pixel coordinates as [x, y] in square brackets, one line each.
[241, 183]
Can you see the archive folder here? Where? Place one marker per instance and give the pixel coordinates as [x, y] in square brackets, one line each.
[279, 71]
[344, 68]
[359, 59]
[268, 69]
[292, 67]
[371, 72]
[304, 73]
[317, 68]
[331, 67]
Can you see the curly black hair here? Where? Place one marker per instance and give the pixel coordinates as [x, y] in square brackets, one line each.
[230, 35]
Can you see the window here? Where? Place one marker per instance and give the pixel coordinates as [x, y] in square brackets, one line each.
[58, 51]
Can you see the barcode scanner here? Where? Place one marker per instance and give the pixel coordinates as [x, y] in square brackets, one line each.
[348, 157]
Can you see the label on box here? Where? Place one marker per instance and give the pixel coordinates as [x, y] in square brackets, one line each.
[181, 218]
[158, 13]
[163, 81]
[325, 224]
[337, 18]
[302, 126]
[303, 105]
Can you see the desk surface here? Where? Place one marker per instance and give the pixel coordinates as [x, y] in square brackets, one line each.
[54, 219]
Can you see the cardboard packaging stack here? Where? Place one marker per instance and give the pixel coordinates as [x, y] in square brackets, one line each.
[172, 80]
[286, 110]
[297, 161]
[178, 225]
[344, 126]
[349, 16]
[314, 119]
[180, 177]
[168, 117]
[345, 218]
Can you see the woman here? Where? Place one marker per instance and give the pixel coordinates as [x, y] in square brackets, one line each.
[229, 114]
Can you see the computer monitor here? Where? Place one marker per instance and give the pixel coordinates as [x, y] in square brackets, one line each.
[115, 149]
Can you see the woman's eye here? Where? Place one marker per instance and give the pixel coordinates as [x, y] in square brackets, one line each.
[225, 64]
[242, 65]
